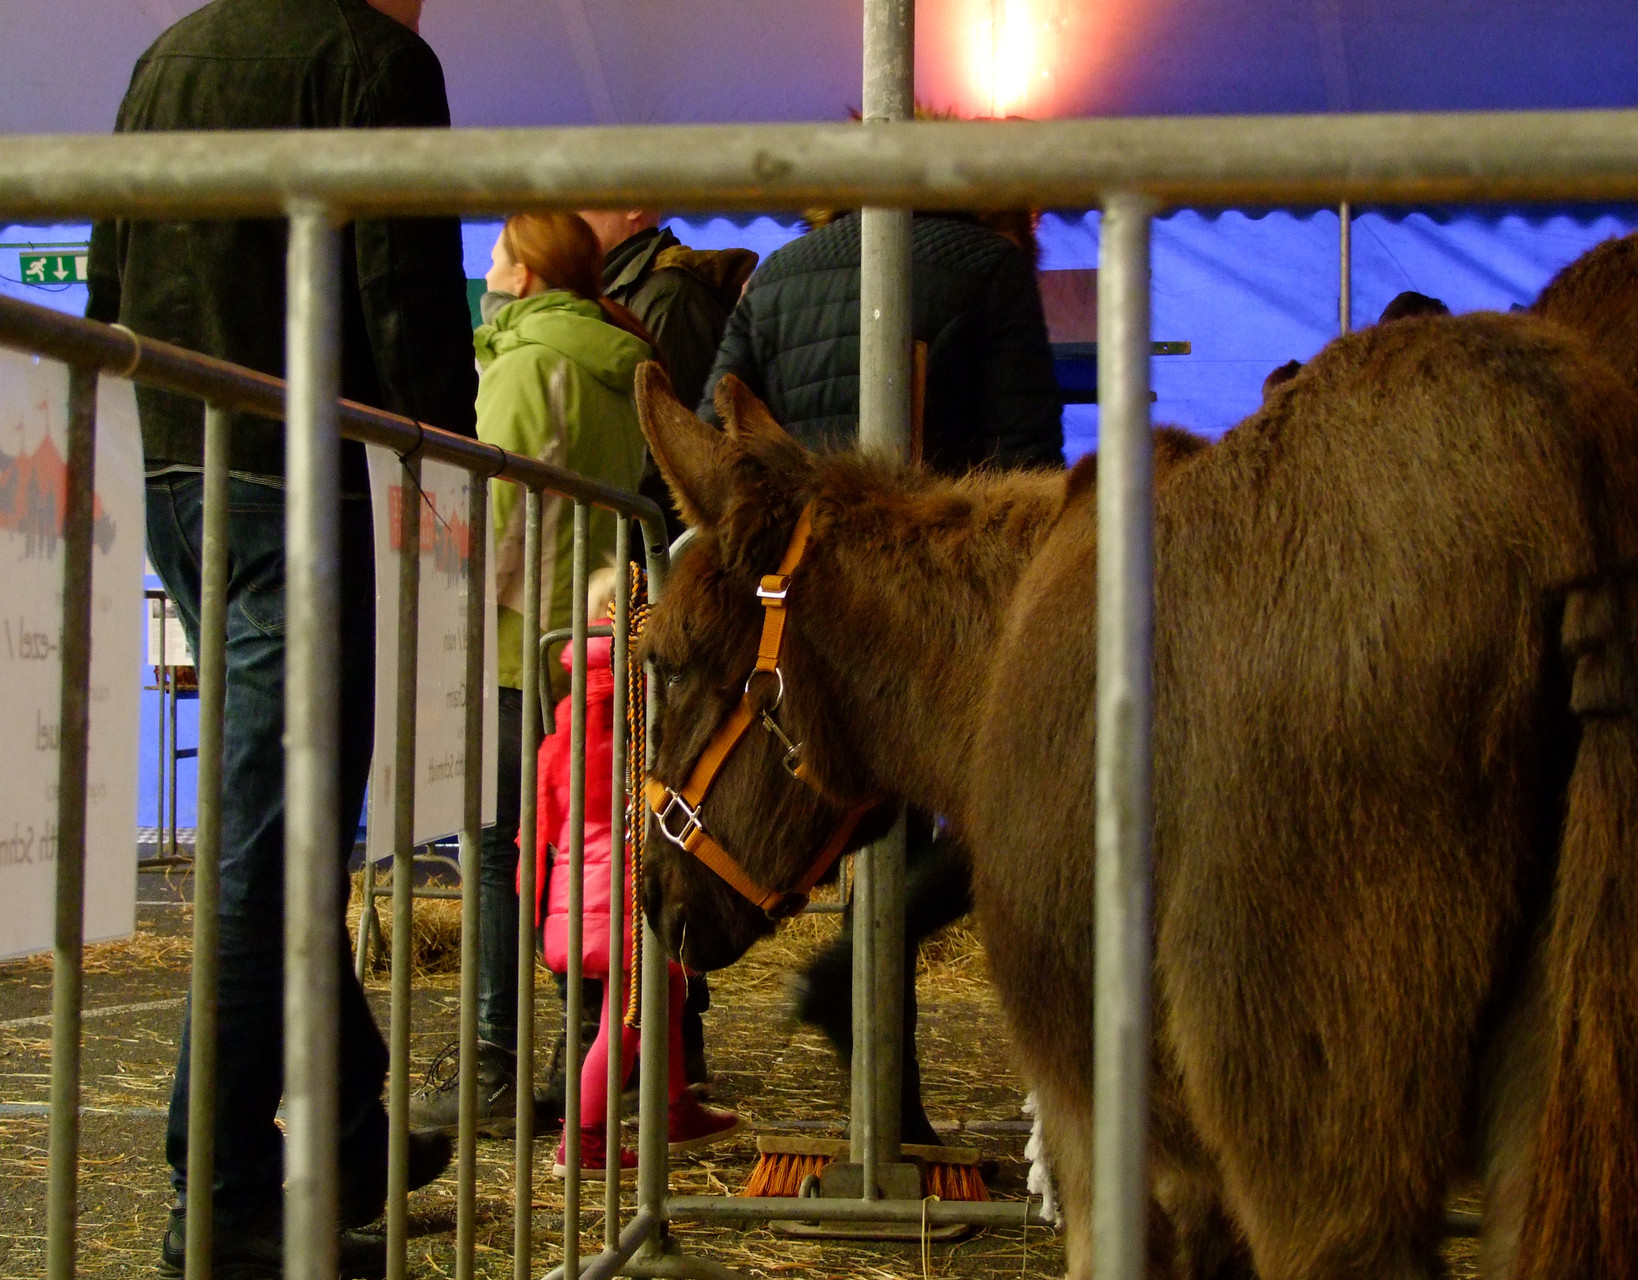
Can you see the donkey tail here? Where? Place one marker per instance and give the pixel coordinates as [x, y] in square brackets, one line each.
[1582, 1217]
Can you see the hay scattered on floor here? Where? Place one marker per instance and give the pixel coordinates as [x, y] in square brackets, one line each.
[435, 934]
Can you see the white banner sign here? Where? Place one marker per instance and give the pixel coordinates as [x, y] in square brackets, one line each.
[440, 717]
[33, 481]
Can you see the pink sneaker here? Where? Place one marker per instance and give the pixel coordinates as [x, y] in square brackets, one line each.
[693, 1124]
[594, 1151]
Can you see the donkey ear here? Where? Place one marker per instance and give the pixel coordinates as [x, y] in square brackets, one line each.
[751, 427]
[691, 455]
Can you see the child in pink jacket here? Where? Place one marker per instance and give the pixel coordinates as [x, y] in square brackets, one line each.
[692, 1124]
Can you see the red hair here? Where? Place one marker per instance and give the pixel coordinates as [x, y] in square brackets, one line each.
[562, 250]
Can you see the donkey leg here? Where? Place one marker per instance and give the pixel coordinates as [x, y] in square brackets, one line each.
[1514, 1093]
[1322, 1232]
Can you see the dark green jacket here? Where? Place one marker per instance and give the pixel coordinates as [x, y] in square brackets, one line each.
[219, 287]
[683, 297]
[991, 394]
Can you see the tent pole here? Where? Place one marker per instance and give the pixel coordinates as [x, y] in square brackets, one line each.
[1345, 294]
[884, 427]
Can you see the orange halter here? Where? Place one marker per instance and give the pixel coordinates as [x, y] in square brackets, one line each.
[669, 805]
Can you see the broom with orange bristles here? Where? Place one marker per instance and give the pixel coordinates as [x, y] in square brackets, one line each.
[783, 1164]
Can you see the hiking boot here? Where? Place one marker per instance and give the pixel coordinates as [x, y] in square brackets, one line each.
[258, 1253]
[690, 1123]
[594, 1153]
[364, 1197]
[436, 1105]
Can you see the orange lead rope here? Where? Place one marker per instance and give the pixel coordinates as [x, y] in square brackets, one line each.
[636, 768]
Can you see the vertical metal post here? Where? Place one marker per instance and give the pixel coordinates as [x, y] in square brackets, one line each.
[524, 1166]
[1124, 712]
[207, 849]
[884, 427]
[577, 903]
[614, 991]
[1345, 292]
[408, 642]
[653, 1152]
[312, 688]
[366, 910]
[466, 1176]
[68, 960]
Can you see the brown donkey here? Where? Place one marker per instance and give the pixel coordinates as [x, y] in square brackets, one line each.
[1396, 781]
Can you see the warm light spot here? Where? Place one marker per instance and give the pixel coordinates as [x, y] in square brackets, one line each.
[1034, 58]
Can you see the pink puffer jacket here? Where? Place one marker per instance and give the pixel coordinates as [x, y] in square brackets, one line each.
[552, 821]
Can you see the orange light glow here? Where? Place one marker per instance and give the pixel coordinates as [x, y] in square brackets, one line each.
[1009, 51]
[1036, 58]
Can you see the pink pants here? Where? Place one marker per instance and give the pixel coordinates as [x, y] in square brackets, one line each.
[594, 1076]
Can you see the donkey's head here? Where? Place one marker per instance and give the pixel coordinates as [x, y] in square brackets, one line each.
[751, 795]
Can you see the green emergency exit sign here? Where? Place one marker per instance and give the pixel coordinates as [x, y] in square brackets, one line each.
[53, 268]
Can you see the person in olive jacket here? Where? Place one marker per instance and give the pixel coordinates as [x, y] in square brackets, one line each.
[559, 367]
[219, 287]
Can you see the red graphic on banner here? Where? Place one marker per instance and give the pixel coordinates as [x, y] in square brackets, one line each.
[34, 498]
[447, 539]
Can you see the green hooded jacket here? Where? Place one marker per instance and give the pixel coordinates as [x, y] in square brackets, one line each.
[556, 384]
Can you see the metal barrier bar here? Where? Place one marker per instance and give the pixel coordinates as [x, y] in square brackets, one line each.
[312, 685]
[366, 915]
[1222, 160]
[747, 1209]
[612, 1260]
[577, 903]
[614, 990]
[1345, 267]
[68, 959]
[207, 849]
[884, 428]
[408, 644]
[1122, 1038]
[35, 329]
[524, 1163]
[653, 1151]
[466, 1173]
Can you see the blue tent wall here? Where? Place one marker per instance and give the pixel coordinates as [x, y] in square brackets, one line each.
[1251, 291]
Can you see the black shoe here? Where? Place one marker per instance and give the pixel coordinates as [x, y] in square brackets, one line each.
[258, 1253]
[364, 1196]
[436, 1106]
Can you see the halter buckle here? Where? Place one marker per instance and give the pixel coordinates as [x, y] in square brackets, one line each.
[691, 822]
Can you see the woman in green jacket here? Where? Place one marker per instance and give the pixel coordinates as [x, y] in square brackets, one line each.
[558, 367]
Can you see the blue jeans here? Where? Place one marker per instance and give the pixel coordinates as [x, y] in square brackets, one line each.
[250, 994]
[498, 885]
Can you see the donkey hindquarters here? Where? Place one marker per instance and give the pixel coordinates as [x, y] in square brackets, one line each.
[1362, 736]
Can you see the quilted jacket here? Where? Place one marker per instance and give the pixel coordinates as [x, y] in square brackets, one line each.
[991, 395]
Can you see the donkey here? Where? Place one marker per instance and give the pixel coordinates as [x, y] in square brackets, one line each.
[1395, 772]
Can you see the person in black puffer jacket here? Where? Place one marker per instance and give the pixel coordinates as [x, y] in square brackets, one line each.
[991, 395]
[991, 399]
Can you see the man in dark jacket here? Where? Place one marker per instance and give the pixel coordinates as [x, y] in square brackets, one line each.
[683, 297]
[991, 397]
[219, 287]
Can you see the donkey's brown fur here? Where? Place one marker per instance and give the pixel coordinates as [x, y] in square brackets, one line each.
[1597, 297]
[1396, 781]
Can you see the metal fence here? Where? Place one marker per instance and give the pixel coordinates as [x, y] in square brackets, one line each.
[1132, 168]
